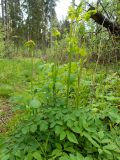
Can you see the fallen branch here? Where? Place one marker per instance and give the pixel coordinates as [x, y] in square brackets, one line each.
[105, 22]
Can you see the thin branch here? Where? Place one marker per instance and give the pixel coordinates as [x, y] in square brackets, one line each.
[105, 10]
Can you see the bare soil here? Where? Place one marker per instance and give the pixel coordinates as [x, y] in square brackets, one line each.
[5, 114]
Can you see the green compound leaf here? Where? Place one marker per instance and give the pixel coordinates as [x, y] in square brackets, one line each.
[43, 125]
[33, 128]
[37, 155]
[62, 135]
[71, 137]
[35, 103]
[25, 130]
[91, 140]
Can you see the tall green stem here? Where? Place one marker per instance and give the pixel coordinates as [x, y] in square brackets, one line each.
[54, 72]
[32, 73]
[68, 79]
[78, 82]
[69, 64]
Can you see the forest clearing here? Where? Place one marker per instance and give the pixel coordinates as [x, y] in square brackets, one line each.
[59, 81]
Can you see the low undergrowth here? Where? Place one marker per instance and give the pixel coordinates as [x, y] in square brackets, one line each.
[51, 124]
[62, 133]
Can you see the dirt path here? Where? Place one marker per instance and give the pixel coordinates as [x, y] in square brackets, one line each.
[5, 114]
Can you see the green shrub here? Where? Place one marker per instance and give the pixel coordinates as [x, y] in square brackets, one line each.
[65, 133]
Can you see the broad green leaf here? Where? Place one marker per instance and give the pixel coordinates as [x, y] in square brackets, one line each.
[79, 156]
[58, 129]
[101, 134]
[28, 156]
[112, 147]
[64, 157]
[52, 125]
[91, 140]
[70, 123]
[25, 130]
[73, 117]
[37, 155]
[69, 149]
[59, 122]
[35, 103]
[100, 151]
[72, 157]
[71, 137]
[106, 141]
[114, 116]
[18, 153]
[76, 129]
[59, 146]
[43, 125]
[84, 122]
[5, 157]
[33, 128]
[62, 135]
[56, 152]
[107, 151]
[96, 138]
